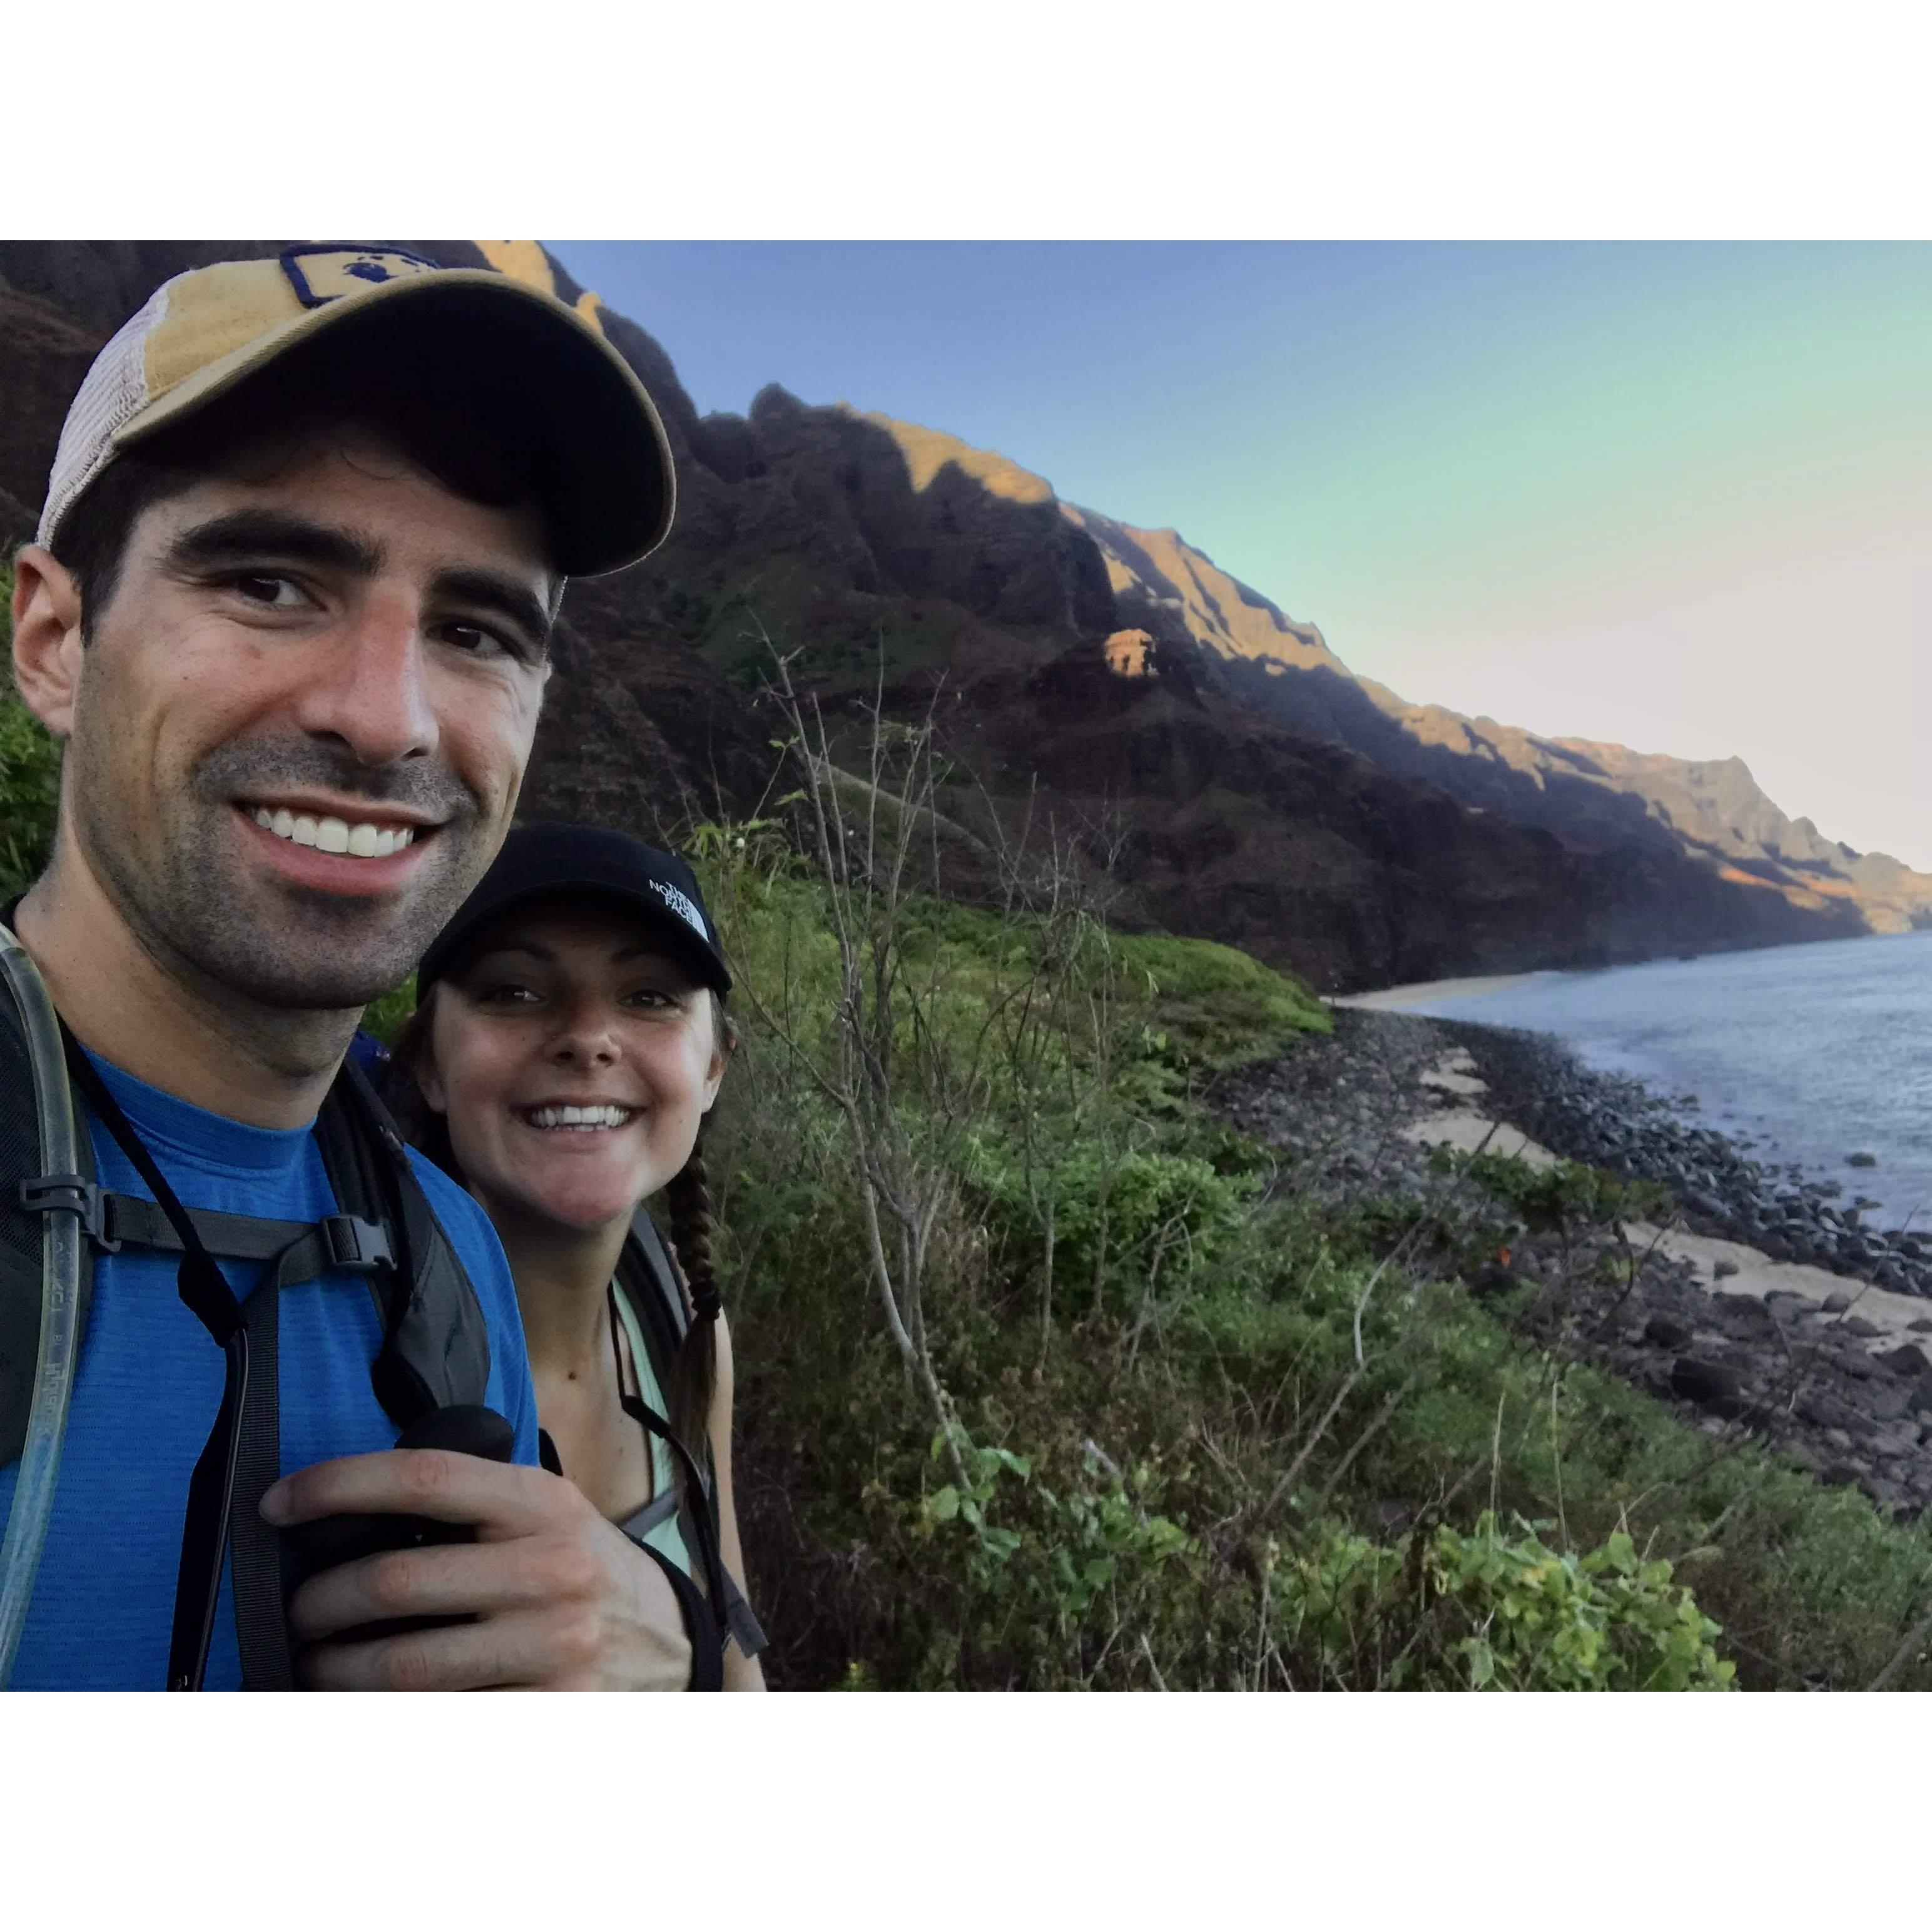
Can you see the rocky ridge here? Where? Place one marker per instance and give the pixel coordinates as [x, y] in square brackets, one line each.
[1240, 784]
[1592, 796]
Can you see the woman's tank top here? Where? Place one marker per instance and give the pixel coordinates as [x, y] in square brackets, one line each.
[656, 1523]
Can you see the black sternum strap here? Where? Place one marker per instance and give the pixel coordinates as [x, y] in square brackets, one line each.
[303, 1250]
[243, 1454]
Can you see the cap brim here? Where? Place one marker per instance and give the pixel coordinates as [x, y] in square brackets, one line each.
[602, 471]
[458, 939]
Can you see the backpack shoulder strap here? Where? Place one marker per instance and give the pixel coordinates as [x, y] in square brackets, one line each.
[436, 1343]
[22, 1230]
[436, 1347]
[649, 1279]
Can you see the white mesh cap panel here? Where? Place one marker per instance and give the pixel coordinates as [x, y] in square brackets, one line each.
[114, 392]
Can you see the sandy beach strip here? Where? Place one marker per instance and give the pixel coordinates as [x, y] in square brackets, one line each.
[1747, 1270]
[1392, 999]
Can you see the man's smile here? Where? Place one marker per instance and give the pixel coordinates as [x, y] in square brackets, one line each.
[365, 834]
[334, 853]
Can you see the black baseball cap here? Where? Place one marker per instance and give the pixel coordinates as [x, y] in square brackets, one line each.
[545, 859]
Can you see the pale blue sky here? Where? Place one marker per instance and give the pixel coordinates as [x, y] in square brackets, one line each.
[1670, 494]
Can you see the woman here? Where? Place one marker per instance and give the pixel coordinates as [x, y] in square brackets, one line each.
[569, 1037]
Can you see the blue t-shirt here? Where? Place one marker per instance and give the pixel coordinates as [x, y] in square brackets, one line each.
[150, 1383]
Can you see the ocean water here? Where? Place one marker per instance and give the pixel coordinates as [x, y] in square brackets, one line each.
[1816, 1052]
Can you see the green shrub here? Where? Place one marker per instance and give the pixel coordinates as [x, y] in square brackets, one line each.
[1510, 1612]
[384, 1018]
[1174, 1214]
[30, 759]
[1561, 1199]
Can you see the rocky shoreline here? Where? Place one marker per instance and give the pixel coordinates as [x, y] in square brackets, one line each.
[1807, 1373]
[1536, 1084]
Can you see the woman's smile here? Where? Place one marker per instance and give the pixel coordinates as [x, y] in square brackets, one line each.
[583, 1117]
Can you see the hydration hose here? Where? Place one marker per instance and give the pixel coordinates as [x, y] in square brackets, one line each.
[60, 1303]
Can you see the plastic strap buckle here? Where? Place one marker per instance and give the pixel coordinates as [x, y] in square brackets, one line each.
[356, 1244]
[69, 1194]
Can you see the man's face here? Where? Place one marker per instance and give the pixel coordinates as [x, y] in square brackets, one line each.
[332, 643]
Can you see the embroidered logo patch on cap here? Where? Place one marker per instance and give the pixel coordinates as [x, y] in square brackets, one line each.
[681, 905]
[321, 274]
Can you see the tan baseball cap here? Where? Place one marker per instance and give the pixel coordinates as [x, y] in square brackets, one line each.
[600, 463]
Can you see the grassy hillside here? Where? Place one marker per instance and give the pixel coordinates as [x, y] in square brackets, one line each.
[1047, 1377]
[1185, 1465]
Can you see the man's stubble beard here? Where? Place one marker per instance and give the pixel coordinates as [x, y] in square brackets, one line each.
[196, 904]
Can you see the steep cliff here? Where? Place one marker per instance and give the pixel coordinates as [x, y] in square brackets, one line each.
[1596, 797]
[1238, 781]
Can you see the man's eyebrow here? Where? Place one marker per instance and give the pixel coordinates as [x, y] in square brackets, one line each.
[254, 536]
[509, 597]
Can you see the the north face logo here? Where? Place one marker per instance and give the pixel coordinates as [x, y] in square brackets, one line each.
[681, 905]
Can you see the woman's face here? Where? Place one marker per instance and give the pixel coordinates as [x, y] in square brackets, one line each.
[563, 1010]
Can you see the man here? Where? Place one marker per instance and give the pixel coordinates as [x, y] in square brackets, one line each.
[304, 541]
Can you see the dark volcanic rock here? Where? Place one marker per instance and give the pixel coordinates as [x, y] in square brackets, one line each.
[1711, 1385]
[1821, 1388]
[1535, 1084]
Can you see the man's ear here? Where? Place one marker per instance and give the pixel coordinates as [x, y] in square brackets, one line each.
[46, 637]
[418, 1046]
[429, 1082]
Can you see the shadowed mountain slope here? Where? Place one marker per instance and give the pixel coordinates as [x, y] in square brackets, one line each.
[1594, 796]
[1235, 779]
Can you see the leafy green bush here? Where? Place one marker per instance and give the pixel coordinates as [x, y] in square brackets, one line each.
[1058, 1573]
[1603, 1621]
[1509, 1612]
[29, 775]
[1128, 1213]
[384, 1018]
[1560, 1199]
[1219, 1006]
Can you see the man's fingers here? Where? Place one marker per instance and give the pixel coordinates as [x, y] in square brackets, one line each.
[560, 1597]
[530, 1647]
[501, 1499]
[445, 1579]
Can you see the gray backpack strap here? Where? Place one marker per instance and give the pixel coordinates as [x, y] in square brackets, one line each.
[436, 1343]
[22, 1226]
[302, 1250]
[660, 1509]
[661, 1308]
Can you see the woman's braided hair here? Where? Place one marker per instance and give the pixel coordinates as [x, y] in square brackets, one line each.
[694, 1375]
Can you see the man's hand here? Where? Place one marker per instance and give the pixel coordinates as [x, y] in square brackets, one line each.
[563, 1600]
